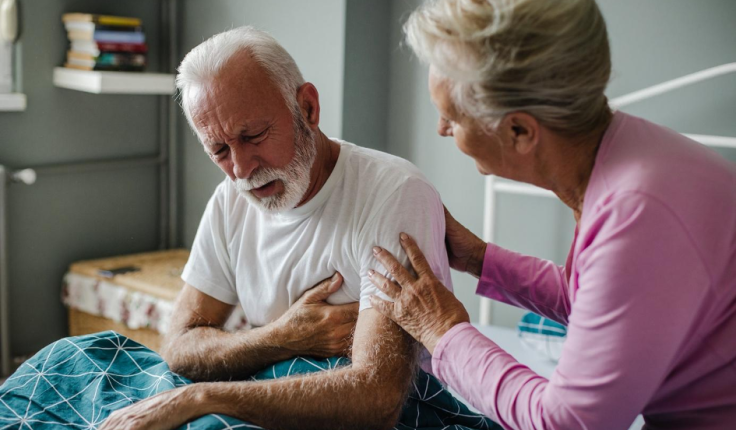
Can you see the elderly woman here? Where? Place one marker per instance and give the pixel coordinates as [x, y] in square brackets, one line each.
[649, 288]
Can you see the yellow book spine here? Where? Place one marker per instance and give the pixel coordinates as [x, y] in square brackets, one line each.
[102, 19]
[118, 20]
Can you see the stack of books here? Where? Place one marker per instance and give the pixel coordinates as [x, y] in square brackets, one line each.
[103, 42]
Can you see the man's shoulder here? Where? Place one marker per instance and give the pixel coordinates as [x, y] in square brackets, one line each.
[382, 170]
[377, 182]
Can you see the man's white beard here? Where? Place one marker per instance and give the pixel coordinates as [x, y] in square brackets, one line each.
[295, 176]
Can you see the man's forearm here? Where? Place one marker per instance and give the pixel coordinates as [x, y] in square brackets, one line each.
[368, 394]
[346, 398]
[212, 354]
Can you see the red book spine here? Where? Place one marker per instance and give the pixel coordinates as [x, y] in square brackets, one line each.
[122, 47]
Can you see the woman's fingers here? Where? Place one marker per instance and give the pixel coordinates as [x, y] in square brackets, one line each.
[416, 256]
[392, 265]
[384, 284]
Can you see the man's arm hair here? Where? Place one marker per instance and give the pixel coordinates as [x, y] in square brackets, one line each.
[368, 394]
[196, 345]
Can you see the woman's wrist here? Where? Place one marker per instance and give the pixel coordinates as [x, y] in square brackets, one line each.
[434, 339]
[436, 336]
[475, 267]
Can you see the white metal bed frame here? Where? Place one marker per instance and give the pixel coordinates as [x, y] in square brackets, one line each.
[493, 186]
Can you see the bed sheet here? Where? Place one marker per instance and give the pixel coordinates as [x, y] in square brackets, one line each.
[77, 382]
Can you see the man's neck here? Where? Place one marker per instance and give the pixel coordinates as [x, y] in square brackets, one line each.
[324, 163]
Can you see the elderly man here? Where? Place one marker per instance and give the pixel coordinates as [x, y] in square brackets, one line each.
[296, 208]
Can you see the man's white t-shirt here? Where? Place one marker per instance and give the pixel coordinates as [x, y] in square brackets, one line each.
[266, 261]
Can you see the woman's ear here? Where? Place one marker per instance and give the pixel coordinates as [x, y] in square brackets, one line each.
[308, 99]
[522, 130]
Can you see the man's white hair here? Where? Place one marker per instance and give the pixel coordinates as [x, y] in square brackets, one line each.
[203, 63]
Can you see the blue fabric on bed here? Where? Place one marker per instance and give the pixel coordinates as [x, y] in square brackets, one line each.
[532, 323]
[542, 335]
[77, 382]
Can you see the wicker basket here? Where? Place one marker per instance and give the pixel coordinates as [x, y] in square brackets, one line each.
[159, 276]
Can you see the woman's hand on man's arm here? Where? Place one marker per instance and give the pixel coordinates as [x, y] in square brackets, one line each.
[422, 305]
[464, 249]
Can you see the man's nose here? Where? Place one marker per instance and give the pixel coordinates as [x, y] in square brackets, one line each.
[244, 161]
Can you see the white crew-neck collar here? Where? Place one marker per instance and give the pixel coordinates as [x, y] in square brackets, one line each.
[338, 172]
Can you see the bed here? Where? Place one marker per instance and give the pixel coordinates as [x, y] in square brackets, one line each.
[138, 305]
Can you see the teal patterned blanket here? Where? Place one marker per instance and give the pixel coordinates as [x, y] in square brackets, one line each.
[77, 382]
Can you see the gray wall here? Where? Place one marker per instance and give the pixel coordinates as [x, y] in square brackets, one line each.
[373, 92]
[64, 218]
[367, 55]
[652, 41]
[313, 32]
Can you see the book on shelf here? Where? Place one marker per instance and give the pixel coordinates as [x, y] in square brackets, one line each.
[106, 59]
[108, 36]
[105, 68]
[105, 42]
[91, 27]
[94, 48]
[101, 19]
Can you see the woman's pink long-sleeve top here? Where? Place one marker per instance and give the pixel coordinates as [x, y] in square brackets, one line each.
[648, 294]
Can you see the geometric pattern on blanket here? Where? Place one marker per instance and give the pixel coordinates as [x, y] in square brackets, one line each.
[78, 382]
[542, 335]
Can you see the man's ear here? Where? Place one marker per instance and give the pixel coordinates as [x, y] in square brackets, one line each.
[308, 99]
[522, 130]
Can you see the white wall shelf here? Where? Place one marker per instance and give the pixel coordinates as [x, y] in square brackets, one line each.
[13, 102]
[98, 82]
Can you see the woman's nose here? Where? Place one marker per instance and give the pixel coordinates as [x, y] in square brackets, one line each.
[443, 128]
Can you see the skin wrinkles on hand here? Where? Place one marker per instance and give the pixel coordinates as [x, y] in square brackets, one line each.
[421, 305]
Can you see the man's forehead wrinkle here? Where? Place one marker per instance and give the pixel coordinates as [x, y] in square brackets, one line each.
[207, 125]
[235, 101]
[217, 125]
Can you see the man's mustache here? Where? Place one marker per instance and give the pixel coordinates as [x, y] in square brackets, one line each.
[258, 180]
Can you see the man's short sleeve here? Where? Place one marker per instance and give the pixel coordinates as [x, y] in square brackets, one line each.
[414, 208]
[209, 269]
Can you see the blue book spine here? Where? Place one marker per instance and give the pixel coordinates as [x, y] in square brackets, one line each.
[119, 36]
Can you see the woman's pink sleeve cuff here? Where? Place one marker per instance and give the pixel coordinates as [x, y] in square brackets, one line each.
[490, 282]
[438, 357]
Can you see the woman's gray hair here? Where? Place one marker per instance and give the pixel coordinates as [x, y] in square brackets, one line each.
[548, 58]
[203, 63]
